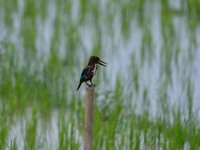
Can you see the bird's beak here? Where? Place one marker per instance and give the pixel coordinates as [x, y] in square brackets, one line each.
[102, 63]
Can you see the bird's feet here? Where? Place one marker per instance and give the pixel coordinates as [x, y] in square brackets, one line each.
[92, 83]
[88, 84]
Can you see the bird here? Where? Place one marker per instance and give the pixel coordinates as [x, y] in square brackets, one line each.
[90, 70]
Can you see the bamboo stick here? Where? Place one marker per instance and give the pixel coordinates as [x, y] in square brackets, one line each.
[89, 118]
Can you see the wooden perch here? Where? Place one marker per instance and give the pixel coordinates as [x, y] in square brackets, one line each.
[89, 107]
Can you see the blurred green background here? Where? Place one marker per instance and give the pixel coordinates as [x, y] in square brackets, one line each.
[147, 97]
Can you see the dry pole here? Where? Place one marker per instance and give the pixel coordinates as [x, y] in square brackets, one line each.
[89, 107]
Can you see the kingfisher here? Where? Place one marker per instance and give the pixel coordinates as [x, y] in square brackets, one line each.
[90, 70]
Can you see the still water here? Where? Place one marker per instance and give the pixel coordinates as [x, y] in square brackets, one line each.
[125, 56]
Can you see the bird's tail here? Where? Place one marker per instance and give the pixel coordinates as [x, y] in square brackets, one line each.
[79, 85]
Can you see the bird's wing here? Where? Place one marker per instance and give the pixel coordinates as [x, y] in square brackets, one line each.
[86, 71]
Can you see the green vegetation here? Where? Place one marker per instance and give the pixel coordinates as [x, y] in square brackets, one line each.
[45, 44]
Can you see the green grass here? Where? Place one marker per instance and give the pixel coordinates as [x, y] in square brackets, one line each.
[33, 85]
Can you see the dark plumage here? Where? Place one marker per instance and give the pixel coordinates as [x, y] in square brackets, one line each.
[90, 70]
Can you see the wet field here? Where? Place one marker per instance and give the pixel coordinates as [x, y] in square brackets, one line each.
[146, 98]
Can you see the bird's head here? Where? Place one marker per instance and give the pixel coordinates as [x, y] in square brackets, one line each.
[96, 60]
